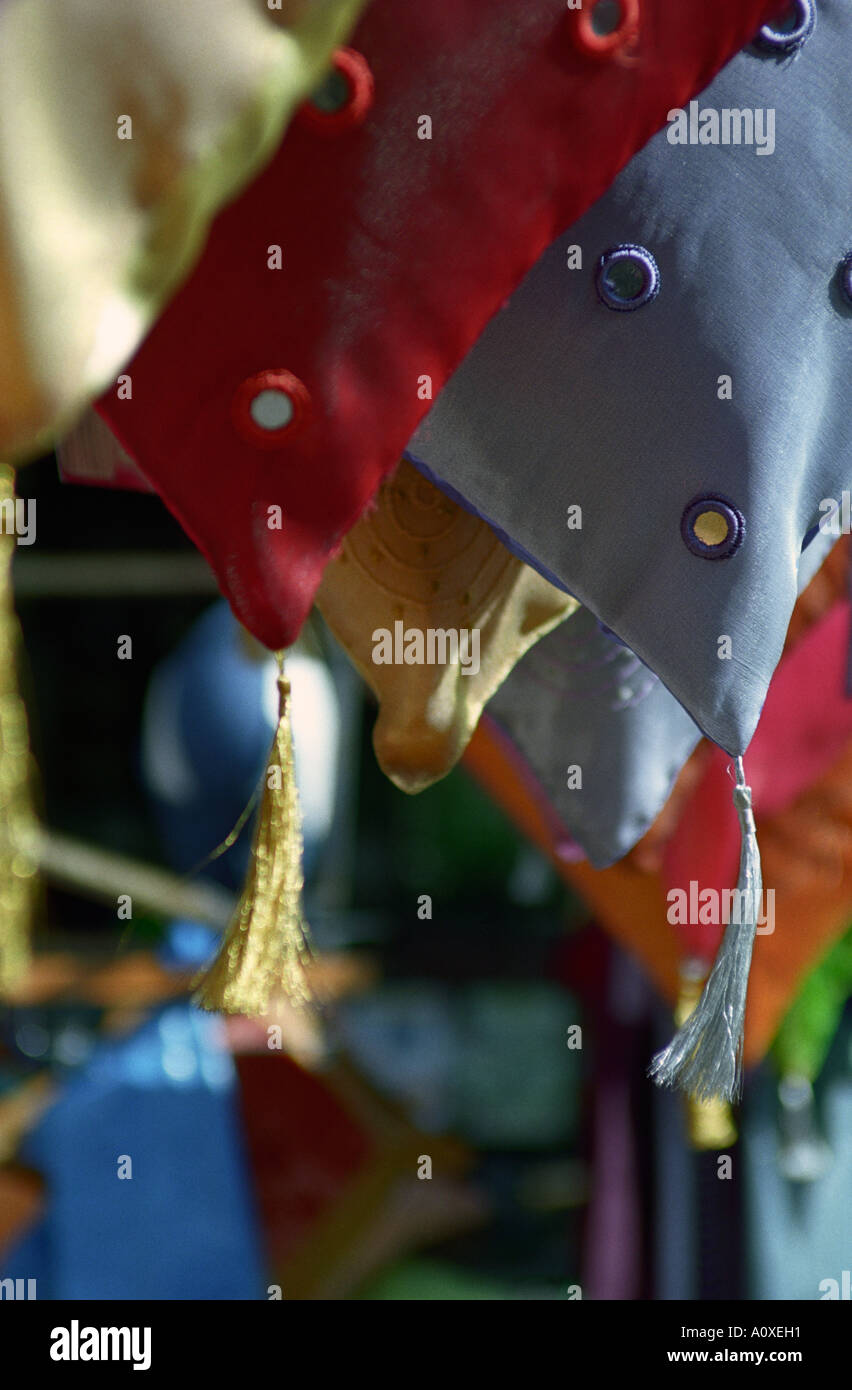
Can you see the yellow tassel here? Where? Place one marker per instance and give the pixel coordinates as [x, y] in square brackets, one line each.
[265, 954]
[17, 820]
[709, 1124]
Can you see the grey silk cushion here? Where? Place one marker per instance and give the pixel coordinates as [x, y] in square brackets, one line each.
[578, 698]
[590, 390]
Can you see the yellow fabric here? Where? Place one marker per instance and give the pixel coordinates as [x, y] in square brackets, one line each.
[95, 231]
[709, 1123]
[17, 819]
[420, 559]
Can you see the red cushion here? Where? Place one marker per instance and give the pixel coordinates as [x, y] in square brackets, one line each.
[396, 251]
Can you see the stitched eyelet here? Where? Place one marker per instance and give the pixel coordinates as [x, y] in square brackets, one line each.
[772, 38]
[712, 527]
[627, 277]
[344, 96]
[604, 27]
[270, 407]
[844, 277]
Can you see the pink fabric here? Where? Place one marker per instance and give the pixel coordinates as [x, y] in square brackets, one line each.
[806, 721]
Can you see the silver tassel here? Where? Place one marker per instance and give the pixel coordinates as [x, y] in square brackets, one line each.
[705, 1057]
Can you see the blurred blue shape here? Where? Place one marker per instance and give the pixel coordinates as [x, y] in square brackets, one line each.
[800, 1233]
[208, 723]
[188, 945]
[182, 1224]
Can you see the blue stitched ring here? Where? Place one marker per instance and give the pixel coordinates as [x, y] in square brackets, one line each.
[711, 502]
[844, 275]
[782, 41]
[636, 270]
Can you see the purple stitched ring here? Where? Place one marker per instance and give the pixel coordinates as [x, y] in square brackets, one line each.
[636, 270]
[723, 549]
[844, 272]
[776, 40]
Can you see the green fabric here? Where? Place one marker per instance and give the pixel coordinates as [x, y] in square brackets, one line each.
[805, 1036]
[424, 1280]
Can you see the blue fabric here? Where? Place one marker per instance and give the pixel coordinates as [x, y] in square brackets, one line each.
[183, 1227]
[563, 402]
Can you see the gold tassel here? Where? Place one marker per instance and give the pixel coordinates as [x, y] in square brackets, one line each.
[265, 953]
[709, 1124]
[17, 819]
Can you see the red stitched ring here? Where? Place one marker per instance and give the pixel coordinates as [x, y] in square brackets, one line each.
[595, 45]
[284, 383]
[355, 71]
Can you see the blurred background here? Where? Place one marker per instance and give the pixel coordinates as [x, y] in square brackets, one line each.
[467, 1117]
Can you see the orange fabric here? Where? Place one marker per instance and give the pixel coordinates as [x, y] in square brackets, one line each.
[807, 855]
[629, 902]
